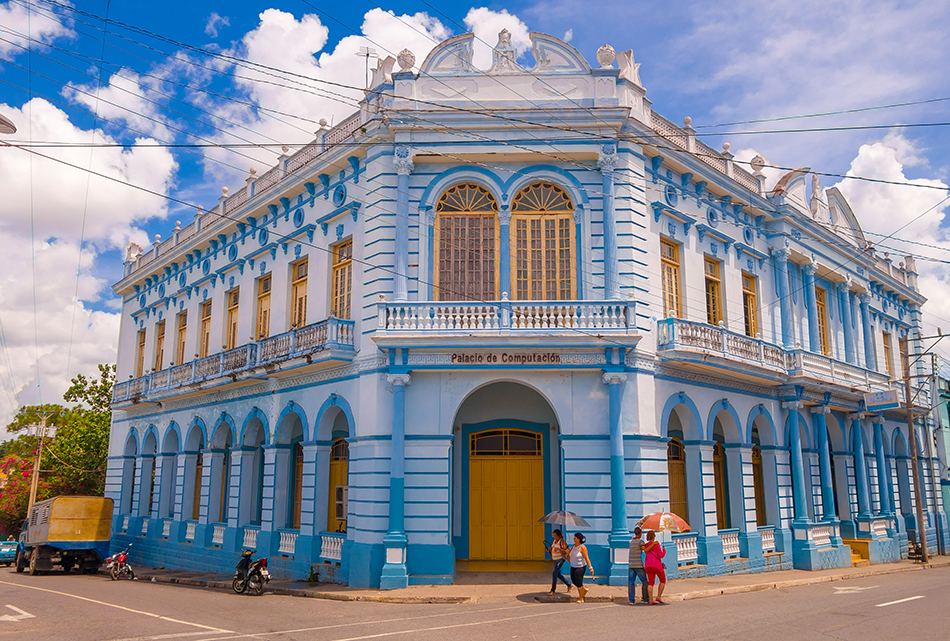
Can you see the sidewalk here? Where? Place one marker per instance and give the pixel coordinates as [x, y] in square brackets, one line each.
[501, 587]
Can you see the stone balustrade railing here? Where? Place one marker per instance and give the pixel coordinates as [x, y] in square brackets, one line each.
[507, 316]
[730, 543]
[331, 545]
[167, 528]
[250, 538]
[125, 523]
[821, 535]
[879, 527]
[145, 526]
[687, 550]
[767, 533]
[217, 533]
[679, 334]
[329, 334]
[190, 527]
[288, 541]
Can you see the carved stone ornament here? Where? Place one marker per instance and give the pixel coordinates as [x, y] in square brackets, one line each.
[781, 253]
[504, 216]
[758, 164]
[399, 379]
[605, 56]
[406, 60]
[402, 161]
[607, 159]
[504, 55]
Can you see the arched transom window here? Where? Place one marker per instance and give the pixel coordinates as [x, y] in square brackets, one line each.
[466, 240]
[542, 242]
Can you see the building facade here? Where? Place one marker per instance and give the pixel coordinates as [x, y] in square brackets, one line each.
[492, 294]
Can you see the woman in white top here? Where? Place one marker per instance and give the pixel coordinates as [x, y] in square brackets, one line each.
[558, 552]
[580, 563]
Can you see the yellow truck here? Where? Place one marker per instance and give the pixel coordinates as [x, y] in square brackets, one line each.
[66, 531]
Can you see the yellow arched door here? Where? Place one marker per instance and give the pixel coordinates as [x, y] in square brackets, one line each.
[337, 503]
[676, 470]
[506, 496]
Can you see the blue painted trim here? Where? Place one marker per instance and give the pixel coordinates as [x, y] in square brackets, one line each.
[462, 173]
[258, 414]
[462, 542]
[198, 424]
[334, 400]
[760, 410]
[292, 406]
[717, 407]
[172, 429]
[224, 418]
[133, 435]
[154, 432]
[676, 399]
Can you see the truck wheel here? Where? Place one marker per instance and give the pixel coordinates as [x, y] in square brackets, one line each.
[20, 561]
[33, 559]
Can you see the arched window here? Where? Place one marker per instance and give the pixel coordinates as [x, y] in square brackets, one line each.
[542, 241]
[759, 485]
[676, 469]
[337, 504]
[225, 480]
[196, 499]
[466, 241]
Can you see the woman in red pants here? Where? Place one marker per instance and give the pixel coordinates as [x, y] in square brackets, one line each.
[653, 562]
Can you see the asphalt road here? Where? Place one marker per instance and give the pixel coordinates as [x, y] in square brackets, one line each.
[75, 607]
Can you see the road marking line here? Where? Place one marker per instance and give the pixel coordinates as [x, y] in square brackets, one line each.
[158, 637]
[17, 617]
[546, 612]
[120, 607]
[852, 589]
[910, 598]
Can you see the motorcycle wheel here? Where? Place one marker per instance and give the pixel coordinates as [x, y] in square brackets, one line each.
[114, 573]
[238, 586]
[255, 585]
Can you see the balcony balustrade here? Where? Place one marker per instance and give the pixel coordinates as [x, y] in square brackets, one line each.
[687, 550]
[730, 543]
[506, 317]
[331, 546]
[329, 334]
[767, 532]
[683, 336]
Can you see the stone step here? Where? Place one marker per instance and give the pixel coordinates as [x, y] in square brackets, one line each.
[858, 562]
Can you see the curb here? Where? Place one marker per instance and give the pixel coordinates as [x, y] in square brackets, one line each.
[451, 600]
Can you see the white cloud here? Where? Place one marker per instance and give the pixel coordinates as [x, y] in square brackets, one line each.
[215, 21]
[883, 208]
[568, 35]
[52, 197]
[127, 97]
[487, 24]
[14, 17]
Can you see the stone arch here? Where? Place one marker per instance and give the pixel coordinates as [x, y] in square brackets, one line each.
[223, 428]
[728, 420]
[172, 440]
[804, 430]
[286, 423]
[150, 440]
[261, 421]
[327, 415]
[686, 413]
[196, 438]
[461, 174]
[131, 443]
[563, 179]
[761, 418]
[529, 385]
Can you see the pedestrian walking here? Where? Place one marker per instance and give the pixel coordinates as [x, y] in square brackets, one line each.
[653, 553]
[637, 570]
[558, 552]
[580, 563]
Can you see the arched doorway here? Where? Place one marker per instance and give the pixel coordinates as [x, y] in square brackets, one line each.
[503, 449]
[149, 450]
[758, 479]
[676, 470]
[333, 458]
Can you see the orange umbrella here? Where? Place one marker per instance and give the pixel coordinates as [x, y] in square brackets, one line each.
[663, 522]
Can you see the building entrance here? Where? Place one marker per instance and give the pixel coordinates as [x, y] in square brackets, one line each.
[506, 495]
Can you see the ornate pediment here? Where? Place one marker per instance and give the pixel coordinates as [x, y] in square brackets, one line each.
[450, 57]
[553, 55]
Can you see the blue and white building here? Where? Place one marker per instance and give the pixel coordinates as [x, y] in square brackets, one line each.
[494, 293]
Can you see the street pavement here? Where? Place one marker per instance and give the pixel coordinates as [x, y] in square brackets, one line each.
[76, 607]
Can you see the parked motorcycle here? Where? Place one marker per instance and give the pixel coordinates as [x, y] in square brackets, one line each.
[118, 565]
[250, 576]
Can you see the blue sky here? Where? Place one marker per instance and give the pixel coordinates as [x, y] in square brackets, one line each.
[717, 62]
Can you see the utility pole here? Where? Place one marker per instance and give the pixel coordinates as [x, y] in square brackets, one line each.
[912, 435]
[34, 485]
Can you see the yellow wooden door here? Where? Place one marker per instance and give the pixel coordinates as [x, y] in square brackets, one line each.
[506, 498]
[338, 473]
[525, 503]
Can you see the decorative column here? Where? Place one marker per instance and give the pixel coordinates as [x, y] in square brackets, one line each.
[780, 256]
[800, 499]
[504, 250]
[883, 475]
[845, 298]
[870, 358]
[402, 163]
[395, 575]
[608, 161]
[860, 467]
[619, 539]
[808, 276]
[431, 262]
[824, 464]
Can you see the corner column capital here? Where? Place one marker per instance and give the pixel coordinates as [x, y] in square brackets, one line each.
[399, 379]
